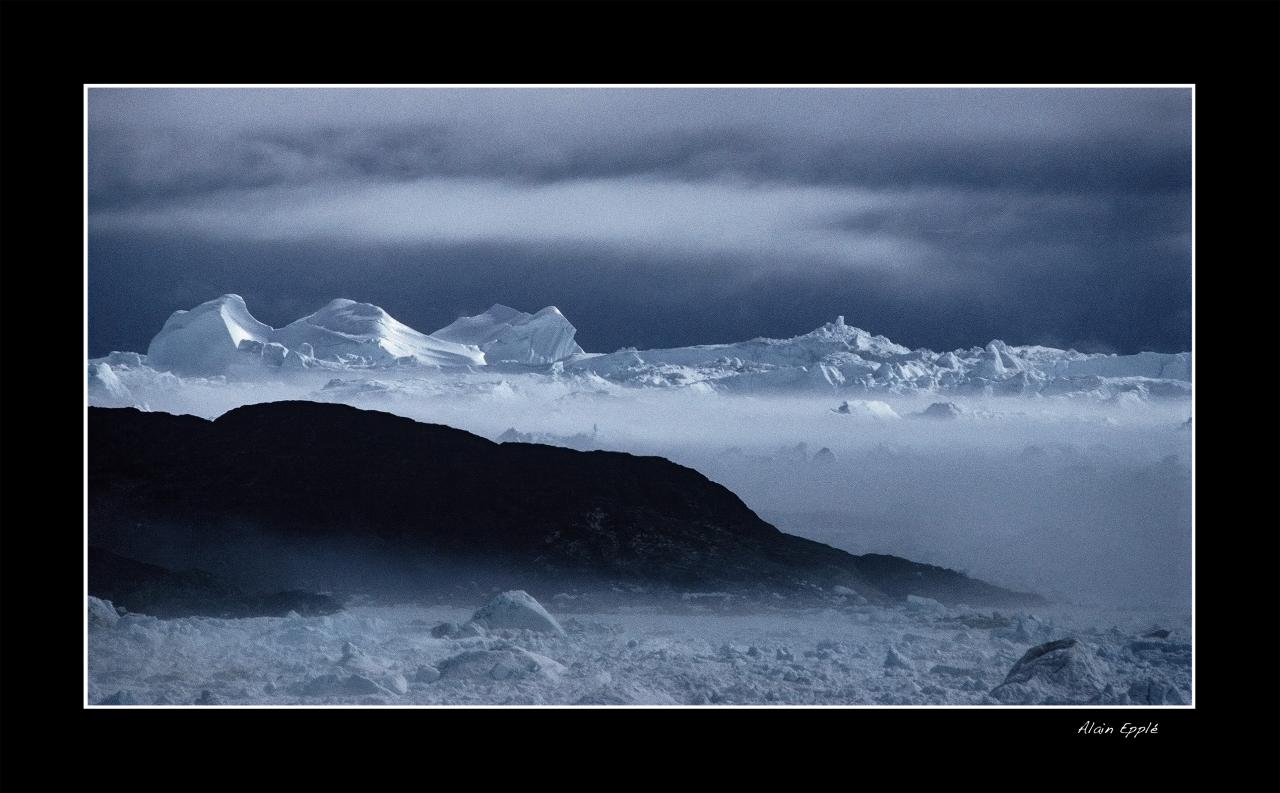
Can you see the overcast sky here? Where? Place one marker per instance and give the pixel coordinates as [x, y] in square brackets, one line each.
[654, 217]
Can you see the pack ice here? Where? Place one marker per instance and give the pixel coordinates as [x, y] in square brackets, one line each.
[847, 654]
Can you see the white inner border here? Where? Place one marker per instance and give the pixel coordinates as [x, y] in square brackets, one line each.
[1192, 86]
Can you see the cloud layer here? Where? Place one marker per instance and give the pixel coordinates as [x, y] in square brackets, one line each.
[938, 216]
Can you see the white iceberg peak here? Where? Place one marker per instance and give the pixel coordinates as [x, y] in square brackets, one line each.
[508, 335]
[218, 334]
[204, 339]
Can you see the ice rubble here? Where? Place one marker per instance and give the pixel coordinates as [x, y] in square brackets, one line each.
[1055, 673]
[850, 655]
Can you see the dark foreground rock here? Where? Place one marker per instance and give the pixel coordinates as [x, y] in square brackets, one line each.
[315, 476]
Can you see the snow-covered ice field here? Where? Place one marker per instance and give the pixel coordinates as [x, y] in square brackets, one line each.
[917, 654]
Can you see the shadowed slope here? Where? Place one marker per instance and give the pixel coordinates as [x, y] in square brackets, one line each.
[316, 473]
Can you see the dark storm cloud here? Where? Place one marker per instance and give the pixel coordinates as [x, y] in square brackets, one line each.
[139, 166]
[939, 217]
[132, 290]
[189, 141]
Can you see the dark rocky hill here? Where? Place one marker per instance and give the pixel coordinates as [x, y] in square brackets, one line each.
[150, 589]
[312, 475]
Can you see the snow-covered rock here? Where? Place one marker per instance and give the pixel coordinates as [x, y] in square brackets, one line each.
[507, 335]
[1062, 672]
[516, 610]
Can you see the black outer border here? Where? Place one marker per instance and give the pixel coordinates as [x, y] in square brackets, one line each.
[1227, 48]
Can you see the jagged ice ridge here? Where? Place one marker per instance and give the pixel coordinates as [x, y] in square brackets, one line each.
[222, 339]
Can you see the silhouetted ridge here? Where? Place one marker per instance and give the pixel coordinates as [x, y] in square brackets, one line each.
[312, 472]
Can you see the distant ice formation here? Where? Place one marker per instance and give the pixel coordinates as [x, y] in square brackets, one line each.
[506, 335]
[220, 338]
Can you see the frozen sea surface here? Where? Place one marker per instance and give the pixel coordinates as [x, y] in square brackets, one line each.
[915, 654]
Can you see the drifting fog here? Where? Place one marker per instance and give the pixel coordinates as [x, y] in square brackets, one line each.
[1084, 501]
